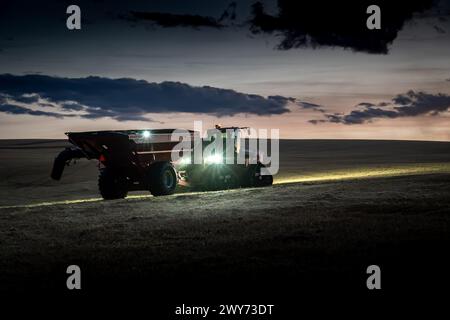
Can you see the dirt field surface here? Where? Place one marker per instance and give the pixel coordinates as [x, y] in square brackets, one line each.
[25, 166]
[336, 208]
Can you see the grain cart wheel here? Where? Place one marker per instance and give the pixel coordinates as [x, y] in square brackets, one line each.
[162, 179]
[111, 185]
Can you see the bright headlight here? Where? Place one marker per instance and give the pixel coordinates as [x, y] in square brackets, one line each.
[185, 160]
[215, 158]
[146, 134]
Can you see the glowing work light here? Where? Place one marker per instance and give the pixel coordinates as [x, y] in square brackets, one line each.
[146, 134]
[214, 159]
[185, 160]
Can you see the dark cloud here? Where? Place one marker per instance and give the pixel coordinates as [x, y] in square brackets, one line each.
[27, 98]
[229, 13]
[46, 105]
[439, 29]
[335, 23]
[302, 104]
[130, 99]
[13, 109]
[72, 106]
[423, 103]
[312, 106]
[366, 105]
[299, 23]
[402, 99]
[410, 104]
[170, 20]
[316, 121]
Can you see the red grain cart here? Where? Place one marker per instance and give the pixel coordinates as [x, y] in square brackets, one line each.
[133, 160]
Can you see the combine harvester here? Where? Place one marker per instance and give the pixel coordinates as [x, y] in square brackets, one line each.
[134, 160]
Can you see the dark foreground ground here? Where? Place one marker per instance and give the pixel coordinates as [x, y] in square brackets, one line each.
[290, 238]
[271, 245]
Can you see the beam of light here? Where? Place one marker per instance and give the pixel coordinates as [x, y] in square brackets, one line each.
[338, 175]
[67, 202]
[367, 173]
[90, 200]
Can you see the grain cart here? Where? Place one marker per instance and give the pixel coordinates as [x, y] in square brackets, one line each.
[132, 160]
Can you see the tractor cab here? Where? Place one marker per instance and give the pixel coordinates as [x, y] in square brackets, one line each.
[233, 141]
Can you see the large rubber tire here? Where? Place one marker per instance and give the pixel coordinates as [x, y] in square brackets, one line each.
[112, 185]
[162, 179]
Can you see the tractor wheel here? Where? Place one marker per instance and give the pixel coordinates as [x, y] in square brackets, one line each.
[256, 179]
[112, 185]
[162, 179]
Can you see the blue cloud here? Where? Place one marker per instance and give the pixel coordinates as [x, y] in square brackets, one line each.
[130, 99]
[409, 104]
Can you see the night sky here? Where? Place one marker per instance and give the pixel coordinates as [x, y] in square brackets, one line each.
[313, 70]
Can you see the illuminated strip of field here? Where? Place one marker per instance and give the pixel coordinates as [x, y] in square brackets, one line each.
[67, 202]
[338, 175]
[366, 173]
